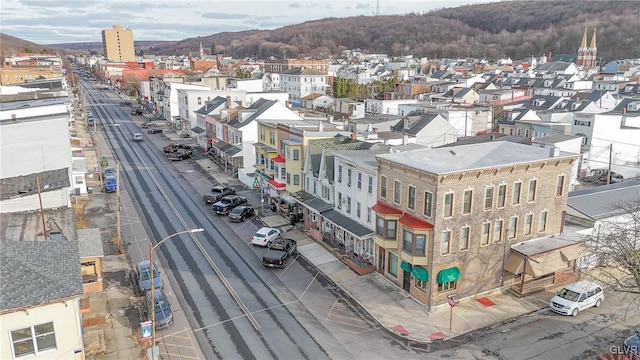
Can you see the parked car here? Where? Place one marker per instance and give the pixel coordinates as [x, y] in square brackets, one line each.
[160, 305]
[227, 203]
[125, 103]
[631, 346]
[576, 297]
[217, 193]
[615, 178]
[154, 130]
[264, 236]
[137, 137]
[179, 155]
[278, 252]
[173, 147]
[144, 279]
[241, 213]
[149, 125]
[136, 112]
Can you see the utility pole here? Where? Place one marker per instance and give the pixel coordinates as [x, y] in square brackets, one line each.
[609, 169]
[118, 231]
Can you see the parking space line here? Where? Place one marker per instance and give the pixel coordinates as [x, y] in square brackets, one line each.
[308, 286]
[332, 306]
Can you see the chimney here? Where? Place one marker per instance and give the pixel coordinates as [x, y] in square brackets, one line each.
[405, 139]
[554, 151]
[320, 126]
[424, 110]
[228, 102]
[286, 103]
[354, 136]
[370, 128]
[375, 130]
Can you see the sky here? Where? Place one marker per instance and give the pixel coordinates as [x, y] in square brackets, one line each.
[69, 21]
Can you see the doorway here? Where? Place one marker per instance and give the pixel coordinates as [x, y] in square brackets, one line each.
[381, 262]
[406, 281]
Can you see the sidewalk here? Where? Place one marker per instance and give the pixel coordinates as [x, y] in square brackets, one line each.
[392, 308]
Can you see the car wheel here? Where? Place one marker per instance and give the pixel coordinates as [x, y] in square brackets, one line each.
[598, 302]
[574, 312]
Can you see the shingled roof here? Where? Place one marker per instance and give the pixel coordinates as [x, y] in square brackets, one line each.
[27, 185]
[38, 272]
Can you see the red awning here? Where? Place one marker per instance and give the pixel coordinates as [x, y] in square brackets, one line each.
[414, 223]
[276, 184]
[385, 209]
[278, 159]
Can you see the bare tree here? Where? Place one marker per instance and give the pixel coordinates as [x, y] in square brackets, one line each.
[616, 244]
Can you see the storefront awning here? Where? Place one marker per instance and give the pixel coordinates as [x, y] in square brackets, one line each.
[414, 223]
[384, 209]
[276, 184]
[448, 275]
[346, 223]
[420, 273]
[546, 264]
[515, 264]
[405, 266]
[544, 256]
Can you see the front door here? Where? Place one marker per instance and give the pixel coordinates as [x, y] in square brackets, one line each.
[381, 262]
[406, 283]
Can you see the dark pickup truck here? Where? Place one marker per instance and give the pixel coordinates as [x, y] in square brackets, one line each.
[278, 252]
[179, 155]
[227, 203]
[217, 193]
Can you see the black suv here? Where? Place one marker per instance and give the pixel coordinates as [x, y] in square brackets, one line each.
[136, 112]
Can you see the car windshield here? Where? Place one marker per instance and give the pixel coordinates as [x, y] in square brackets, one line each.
[145, 274]
[260, 236]
[162, 306]
[568, 294]
[236, 211]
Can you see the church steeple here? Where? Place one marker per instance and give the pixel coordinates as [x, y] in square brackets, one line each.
[584, 39]
[201, 51]
[593, 39]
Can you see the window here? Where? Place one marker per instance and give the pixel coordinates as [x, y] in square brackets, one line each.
[528, 219]
[272, 138]
[422, 285]
[315, 187]
[383, 187]
[349, 177]
[560, 185]
[289, 178]
[33, 340]
[497, 231]
[412, 198]
[448, 205]
[368, 215]
[396, 191]
[486, 230]
[516, 193]
[413, 243]
[488, 198]
[542, 224]
[445, 245]
[339, 200]
[428, 203]
[359, 181]
[199, 101]
[358, 209]
[262, 134]
[370, 190]
[296, 179]
[466, 208]
[339, 173]
[502, 194]
[386, 228]
[513, 227]
[464, 238]
[532, 190]
[393, 264]
[447, 286]
[296, 154]
[348, 204]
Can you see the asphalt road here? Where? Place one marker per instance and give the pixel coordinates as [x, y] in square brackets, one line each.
[235, 308]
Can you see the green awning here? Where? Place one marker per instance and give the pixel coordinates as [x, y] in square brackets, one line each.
[448, 275]
[405, 266]
[420, 273]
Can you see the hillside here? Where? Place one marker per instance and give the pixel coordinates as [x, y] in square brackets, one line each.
[515, 29]
[13, 45]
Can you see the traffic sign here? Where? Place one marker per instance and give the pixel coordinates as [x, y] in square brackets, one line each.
[452, 301]
[103, 162]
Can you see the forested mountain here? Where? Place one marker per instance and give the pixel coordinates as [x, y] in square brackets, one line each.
[515, 29]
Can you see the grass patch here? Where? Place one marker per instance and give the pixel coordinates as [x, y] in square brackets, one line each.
[78, 207]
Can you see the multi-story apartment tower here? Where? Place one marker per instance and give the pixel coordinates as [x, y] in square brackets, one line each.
[446, 218]
[117, 44]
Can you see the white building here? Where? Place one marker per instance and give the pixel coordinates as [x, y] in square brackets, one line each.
[299, 82]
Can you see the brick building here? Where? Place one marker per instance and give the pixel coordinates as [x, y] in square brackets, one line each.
[446, 218]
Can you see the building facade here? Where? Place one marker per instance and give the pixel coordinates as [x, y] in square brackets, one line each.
[117, 44]
[446, 218]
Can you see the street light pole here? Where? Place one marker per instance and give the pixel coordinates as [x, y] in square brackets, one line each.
[151, 267]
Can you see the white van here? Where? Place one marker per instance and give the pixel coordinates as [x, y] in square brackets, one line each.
[576, 297]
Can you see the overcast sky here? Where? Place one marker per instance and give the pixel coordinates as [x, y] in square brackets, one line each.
[62, 21]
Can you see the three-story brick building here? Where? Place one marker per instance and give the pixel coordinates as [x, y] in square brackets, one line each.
[446, 217]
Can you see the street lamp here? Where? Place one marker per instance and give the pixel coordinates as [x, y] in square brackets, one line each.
[151, 266]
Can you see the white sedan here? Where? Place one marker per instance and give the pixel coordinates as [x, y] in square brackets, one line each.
[264, 236]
